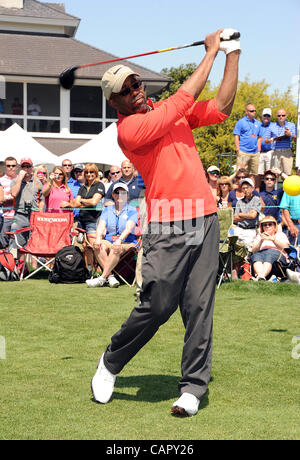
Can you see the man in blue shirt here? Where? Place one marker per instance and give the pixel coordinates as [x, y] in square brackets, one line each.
[266, 150]
[75, 185]
[290, 206]
[130, 179]
[282, 133]
[245, 138]
[271, 198]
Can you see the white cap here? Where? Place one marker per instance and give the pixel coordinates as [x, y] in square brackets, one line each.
[113, 79]
[120, 185]
[247, 180]
[267, 111]
[213, 168]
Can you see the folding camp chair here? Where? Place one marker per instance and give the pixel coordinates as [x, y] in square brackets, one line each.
[226, 245]
[125, 270]
[50, 232]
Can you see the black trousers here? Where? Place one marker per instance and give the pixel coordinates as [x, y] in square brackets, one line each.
[179, 269]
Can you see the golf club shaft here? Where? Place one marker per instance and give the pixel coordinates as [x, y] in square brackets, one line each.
[234, 36]
[140, 55]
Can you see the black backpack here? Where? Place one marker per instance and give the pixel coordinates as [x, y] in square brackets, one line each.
[69, 267]
[8, 267]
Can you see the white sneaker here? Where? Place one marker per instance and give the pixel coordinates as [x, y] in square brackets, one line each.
[187, 404]
[294, 277]
[96, 282]
[103, 383]
[113, 282]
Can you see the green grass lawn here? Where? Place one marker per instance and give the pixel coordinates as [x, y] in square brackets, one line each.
[55, 333]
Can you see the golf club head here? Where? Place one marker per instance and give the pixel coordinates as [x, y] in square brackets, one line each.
[67, 77]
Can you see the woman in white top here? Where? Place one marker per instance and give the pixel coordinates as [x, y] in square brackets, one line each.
[268, 247]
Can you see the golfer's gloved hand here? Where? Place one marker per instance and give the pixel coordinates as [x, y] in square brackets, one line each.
[230, 45]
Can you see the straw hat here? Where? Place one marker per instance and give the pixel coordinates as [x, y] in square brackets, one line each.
[268, 219]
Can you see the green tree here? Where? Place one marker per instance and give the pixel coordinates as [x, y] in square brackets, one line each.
[215, 140]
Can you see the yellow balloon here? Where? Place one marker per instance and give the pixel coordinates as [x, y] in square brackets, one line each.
[291, 185]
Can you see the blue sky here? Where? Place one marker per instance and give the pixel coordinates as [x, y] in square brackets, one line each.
[269, 33]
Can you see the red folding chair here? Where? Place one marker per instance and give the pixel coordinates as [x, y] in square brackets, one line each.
[50, 232]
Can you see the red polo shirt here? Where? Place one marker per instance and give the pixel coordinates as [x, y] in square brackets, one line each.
[161, 146]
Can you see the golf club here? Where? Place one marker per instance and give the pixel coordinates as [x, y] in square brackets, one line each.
[67, 77]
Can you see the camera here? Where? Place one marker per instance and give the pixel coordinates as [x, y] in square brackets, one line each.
[28, 206]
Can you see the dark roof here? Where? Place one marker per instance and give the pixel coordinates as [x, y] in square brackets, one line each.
[33, 8]
[48, 56]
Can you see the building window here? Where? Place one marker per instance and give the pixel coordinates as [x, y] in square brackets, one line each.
[43, 100]
[11, 105]
[86, 102]
[43, 108]
[39, 108]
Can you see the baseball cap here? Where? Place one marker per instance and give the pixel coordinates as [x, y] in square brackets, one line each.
[120, 185]
[79, 166]
[247, 180]
[213, 168]
[26, 160]
[269, 171]
[113, 79]
[267, 111]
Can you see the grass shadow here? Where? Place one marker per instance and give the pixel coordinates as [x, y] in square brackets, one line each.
[150, 388]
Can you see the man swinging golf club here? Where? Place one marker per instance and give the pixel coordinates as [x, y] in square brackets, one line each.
[180, 250]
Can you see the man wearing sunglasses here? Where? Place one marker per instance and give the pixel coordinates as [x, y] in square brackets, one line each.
[282, 134]
[27, 192]
[266, 149]
[213, 173]
[10, 165]
[271, 197]
[245, 138]
[129, 178]
[181, 248]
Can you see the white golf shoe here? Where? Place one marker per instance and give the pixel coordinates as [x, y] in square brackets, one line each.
[187, 404]
[294, 277]
[103, 383]
[96, 282]
[113, 282]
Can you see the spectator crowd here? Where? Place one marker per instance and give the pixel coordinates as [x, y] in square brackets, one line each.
[108, 206]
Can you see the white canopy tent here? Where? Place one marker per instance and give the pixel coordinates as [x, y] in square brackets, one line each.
[102, 149]
[20, 144]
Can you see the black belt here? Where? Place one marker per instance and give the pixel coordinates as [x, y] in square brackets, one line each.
[246, 228]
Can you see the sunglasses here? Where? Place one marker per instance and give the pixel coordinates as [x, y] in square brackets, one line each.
[11, 166]
[41, 172]
[89, 172]
[269, 116]
[77, 171]
[268, 224]
[135, 86]
[67, 166]
[215, 173]
[59, 174]
[278, 116]
[118, 192]
[241, 177]
[270, 178]
[115, 173]
[26, 166]
[251, 111]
